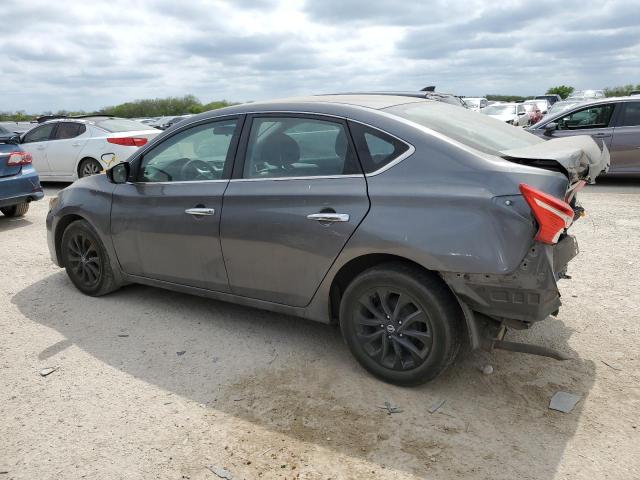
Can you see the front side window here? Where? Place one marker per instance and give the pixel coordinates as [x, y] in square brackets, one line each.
[68, 130]
[196, 154]
[630, 115]
[597, 116]
[298, 147]
[375, 148]
[39, 134]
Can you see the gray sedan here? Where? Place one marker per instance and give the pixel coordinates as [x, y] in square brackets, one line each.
[614, 122]
[415, 225]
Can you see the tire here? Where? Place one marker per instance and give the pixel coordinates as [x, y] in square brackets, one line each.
[86, 260]
[89, 167]
[422, 337]
[18, 210]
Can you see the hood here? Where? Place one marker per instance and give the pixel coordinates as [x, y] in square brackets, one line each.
[579, 156]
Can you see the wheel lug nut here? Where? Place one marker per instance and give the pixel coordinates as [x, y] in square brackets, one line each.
[399, 322]
[400, 334]
[381, 325]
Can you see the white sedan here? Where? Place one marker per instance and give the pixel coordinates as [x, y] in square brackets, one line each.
[66, 149]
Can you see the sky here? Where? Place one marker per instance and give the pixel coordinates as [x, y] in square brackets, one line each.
[84, 55]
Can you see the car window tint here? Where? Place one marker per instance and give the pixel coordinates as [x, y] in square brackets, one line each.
[596, 116]
[375, 148]
[196, 154]
[630, 114]
[39, 134]
[298, 147]
[69, 130]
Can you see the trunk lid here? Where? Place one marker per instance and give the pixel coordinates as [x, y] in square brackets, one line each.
[579, 157]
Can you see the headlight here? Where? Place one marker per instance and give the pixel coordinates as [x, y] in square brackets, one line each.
[53, 201]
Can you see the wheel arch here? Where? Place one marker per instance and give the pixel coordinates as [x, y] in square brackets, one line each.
[357, 265]
[61, 226]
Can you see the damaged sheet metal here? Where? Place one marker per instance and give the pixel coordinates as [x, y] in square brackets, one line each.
[580, 156]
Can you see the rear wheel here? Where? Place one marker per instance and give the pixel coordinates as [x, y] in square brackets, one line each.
[89, 167]
[86, 260]
[401, 323]
[16, 210]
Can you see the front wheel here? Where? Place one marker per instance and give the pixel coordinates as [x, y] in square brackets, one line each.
[18, 210]
[86, 260]
[401, 323]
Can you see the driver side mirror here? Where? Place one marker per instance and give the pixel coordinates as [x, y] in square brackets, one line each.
[119, 173]
[549, 128]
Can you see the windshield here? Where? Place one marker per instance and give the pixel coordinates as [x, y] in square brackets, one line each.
[472, 102]
[476, 131]
[499, 110]
[3, 130]
[121, 125]
[561, 106]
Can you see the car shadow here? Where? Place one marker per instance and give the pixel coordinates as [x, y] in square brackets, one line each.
[10, 223]
[297, 378]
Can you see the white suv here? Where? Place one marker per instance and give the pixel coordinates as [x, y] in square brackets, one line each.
[66, 149]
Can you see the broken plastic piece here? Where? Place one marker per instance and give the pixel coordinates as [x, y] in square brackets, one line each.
[563, 401]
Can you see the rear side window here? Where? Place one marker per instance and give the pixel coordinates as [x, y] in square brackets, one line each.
[121, 125]
[630, 114]
[68, 130]
[375, 148]
[39, 134]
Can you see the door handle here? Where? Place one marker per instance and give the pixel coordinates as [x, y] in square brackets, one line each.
[199, 212]
[601, 135]
[329, 217]
[41, 147]
[75, 144]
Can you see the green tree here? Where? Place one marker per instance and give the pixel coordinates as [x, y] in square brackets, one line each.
[622, 91]
[563, 90]
[506, 98]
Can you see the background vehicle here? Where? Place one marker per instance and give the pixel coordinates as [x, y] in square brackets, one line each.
[65, 149]
[551, 98]
[542, 104]
[449, 98]
[634, 92]
[533, 111]
[19, 183]
[586, 94]
[310, 225]
[612, 121]
[475, 103]
[17, 127]
[511, 113]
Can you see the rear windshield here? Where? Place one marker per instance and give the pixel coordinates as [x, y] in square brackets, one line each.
[121, 125]
[469, 128]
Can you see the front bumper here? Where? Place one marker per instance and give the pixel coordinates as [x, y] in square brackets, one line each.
[529, 294]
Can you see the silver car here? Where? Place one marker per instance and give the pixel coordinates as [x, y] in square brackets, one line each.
[614, 122]
[415, 225]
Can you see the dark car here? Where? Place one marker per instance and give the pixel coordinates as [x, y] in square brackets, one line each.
[19, 183]
[416, 225]
[549, 98]
[614, 122]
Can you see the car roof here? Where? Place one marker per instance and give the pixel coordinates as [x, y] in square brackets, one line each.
[374, 101]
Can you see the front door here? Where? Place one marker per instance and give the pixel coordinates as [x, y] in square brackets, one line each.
[625, 147]
[165, 224]
[35, 142]
[291, 208]
[594, 120]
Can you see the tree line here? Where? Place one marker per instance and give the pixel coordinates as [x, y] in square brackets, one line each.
[160, 107]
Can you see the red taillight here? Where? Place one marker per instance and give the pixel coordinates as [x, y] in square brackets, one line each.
[128, 141]
[19, 158]
[552, 215]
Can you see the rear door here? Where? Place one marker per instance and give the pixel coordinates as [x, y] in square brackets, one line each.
[595, 120]
[292, 205]
[625, 147]
[64, 148]
[165, 225]
[36, 142]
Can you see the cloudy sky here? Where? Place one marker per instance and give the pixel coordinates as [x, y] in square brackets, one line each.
[90, 54]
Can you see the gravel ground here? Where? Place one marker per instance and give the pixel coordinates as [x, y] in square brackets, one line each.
[156, 384]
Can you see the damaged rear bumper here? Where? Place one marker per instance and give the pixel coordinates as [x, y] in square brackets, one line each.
[527, 295]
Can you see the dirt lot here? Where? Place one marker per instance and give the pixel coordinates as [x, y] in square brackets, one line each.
[155, 384]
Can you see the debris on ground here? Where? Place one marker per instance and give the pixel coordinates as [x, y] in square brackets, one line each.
[181, 352]
[436, 406]
[390, 409]
[487, 369]
[220, 472]
[615, 366]
[48, 371]
[563, 401]
[123, 335]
